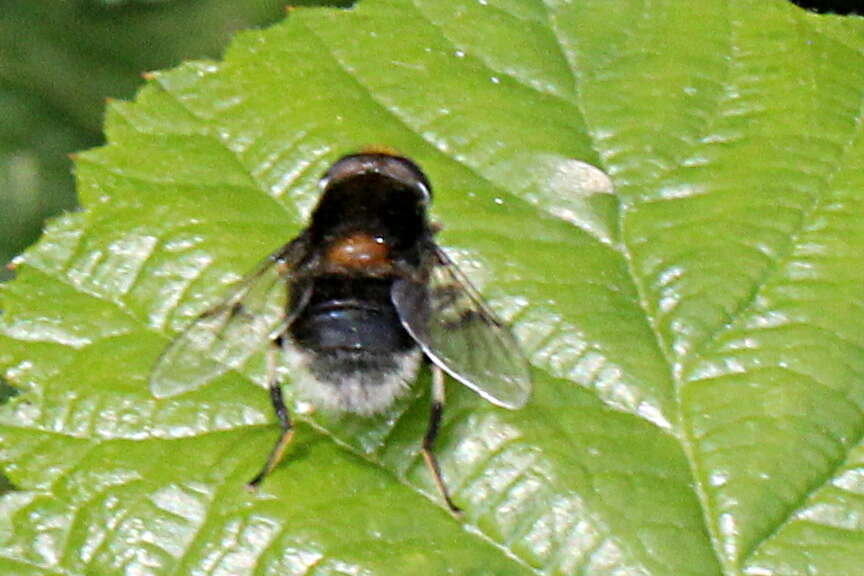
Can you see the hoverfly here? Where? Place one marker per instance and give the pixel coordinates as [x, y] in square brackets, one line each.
[360, 296]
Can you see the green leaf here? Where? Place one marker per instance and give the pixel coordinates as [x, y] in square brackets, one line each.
[696, 338]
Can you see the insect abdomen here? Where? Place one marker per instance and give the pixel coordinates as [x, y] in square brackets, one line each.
[350, 326]
[351, 314]
[358, 355]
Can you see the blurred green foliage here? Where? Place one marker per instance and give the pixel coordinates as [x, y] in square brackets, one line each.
[60, 60]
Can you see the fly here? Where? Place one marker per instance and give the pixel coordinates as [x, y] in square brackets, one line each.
[362, 295]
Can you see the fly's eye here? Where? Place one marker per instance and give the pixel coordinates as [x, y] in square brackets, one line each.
[397, 168]
[408, 173]
[425, 192]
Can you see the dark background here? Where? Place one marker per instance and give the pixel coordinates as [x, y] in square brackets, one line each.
[835, 6]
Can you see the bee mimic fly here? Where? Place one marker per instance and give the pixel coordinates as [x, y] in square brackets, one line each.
[360, 297]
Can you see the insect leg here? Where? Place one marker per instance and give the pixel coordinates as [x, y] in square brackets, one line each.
[432, 434]
[282, 414]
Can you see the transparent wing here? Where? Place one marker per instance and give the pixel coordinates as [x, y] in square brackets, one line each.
[456, 330]
[225, 336]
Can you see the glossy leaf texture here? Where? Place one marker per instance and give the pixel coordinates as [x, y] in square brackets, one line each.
[696, 337]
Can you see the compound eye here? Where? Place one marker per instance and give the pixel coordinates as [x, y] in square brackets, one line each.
[397, 168]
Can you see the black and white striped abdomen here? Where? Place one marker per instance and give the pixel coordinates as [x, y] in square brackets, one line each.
[358, 356]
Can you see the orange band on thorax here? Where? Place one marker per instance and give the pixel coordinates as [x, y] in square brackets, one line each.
[358, 251]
